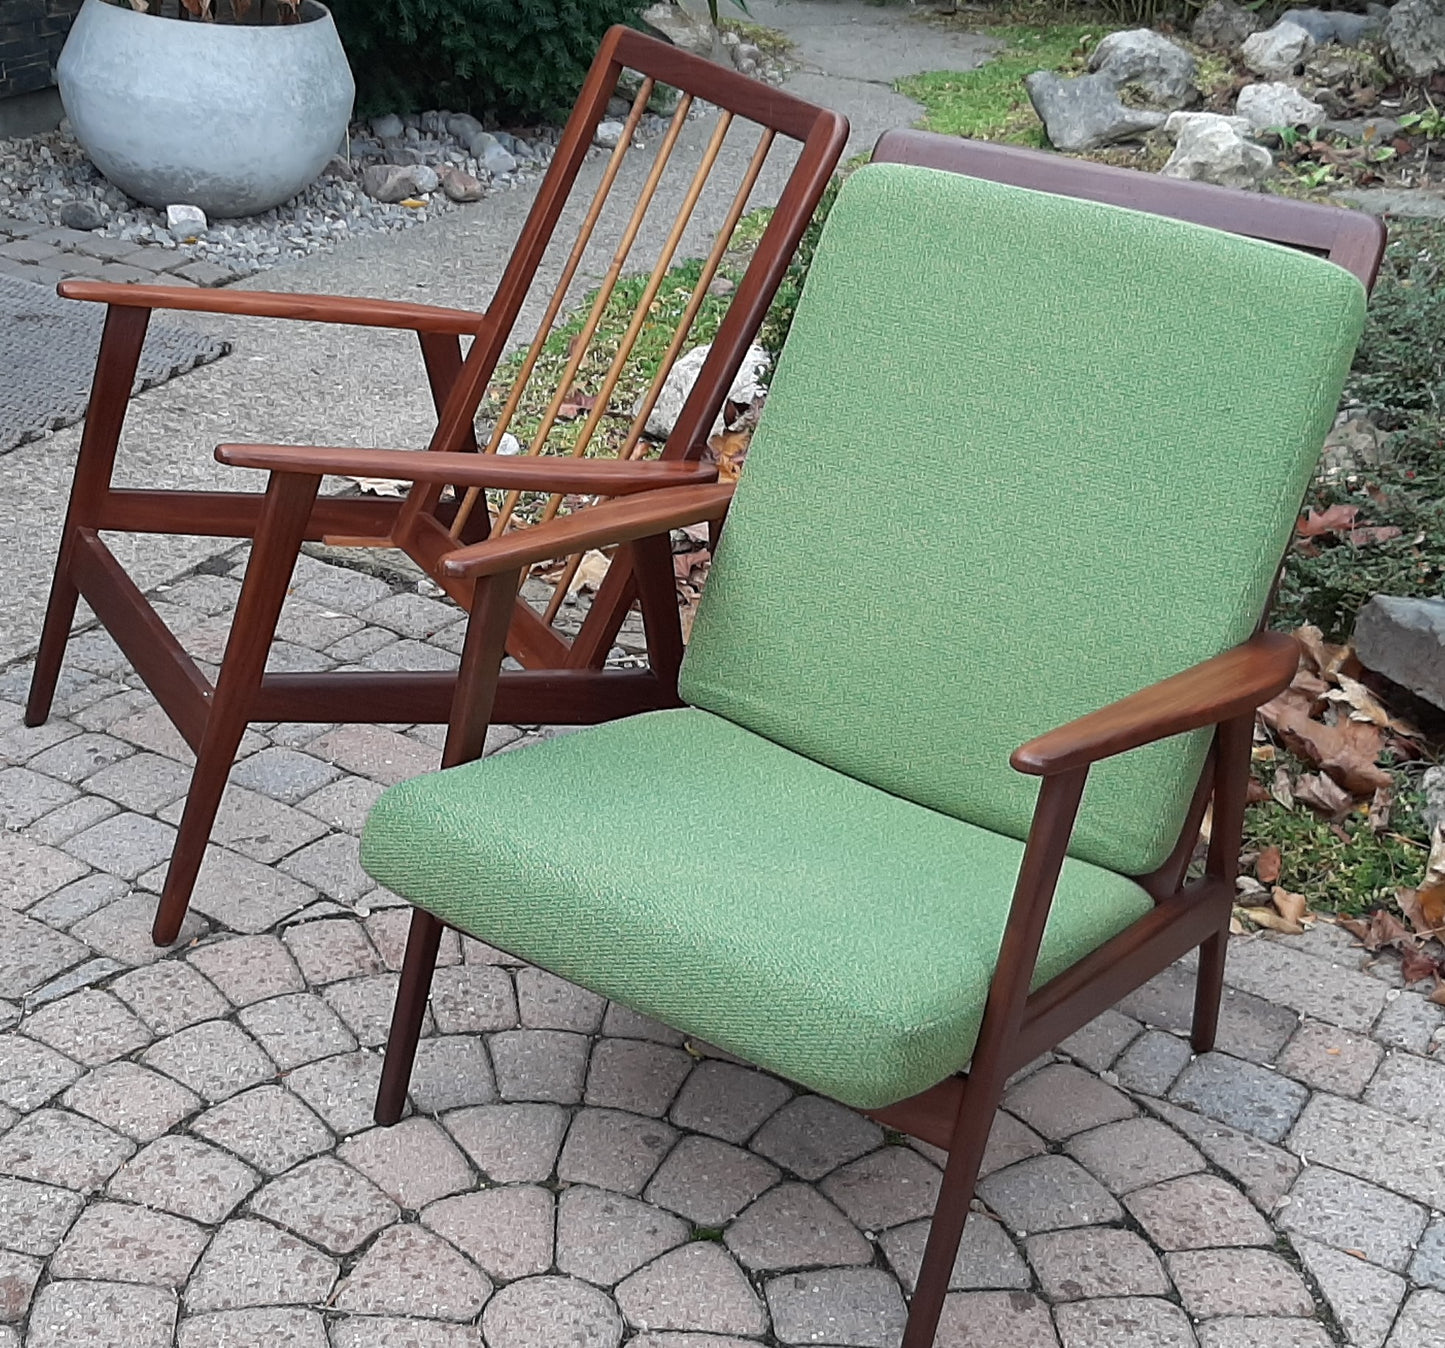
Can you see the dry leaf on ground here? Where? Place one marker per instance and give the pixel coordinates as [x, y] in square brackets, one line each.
[1267, 865]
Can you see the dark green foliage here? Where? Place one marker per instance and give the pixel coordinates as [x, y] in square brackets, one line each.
[519, 59]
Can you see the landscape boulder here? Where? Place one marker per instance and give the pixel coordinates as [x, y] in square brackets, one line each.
[1279, 51]
[682, 29]
[1162, 71]
[1265, 106]
[1333, 25]
[746, 386]
[1214, 149]
[1223, 25]
[1415, 35]
[1085, 113]
[1404, 639]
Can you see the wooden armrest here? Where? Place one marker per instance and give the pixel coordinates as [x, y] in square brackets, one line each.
[656, 512]
[526, 472]
[361, 313]
[1217, 690]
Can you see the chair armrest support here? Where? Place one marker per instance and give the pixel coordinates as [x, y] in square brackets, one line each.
[1229, 685]
[641, 516]
[524, 472]
[363, 313]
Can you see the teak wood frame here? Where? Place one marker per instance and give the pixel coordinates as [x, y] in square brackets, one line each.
[1222, 693]
[561, 681]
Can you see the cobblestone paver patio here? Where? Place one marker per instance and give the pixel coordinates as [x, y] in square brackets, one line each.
[187, 1156]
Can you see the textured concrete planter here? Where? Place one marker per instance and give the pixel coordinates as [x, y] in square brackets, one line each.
[232, 119]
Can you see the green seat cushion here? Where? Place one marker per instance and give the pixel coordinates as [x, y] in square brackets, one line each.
[1023, 455]
[824, 929]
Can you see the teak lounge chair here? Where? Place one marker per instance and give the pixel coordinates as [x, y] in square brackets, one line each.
[562, 680]
[980, 644]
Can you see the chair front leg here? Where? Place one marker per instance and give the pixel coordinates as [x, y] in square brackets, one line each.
[115, 366]
[284, 515]
[422, 944]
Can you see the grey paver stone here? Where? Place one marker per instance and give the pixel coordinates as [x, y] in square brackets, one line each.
[55, 1146]
[266, 1126]
[728, 1101]
[1365, 1142]
[1409, 1087]
[313, 625]
[473, 999]
[541, 1312]
[697, 1287]
[339, 587]
[508, 1231]
[626, 1023]
[25, 796]
[1363, 1298]
[331, 950]
[1263, 1332]
[1333, 993]
[1153, 1062]
[31, 1073]
[248, 968]
[181, 1175]
[1097, 1262]
[1102, 1040]
[451, 1072]
[54, 828]
[811, 1136]
[243, 894]
[635, 1075]
[85, 975]
[1009, 1141]
[331, 866]
[860, 1308]
[205, 273]
[357, 647]
[326, 1203]
[102, 1315]
[1421, 1323]
[410, 1271]
[1243, 1095]
[1249, 1026]
[1428, 1265]
[366, 1004]
[1328, 1058]
[145, 782]
[1123, 1322]
[546, 1065]
[126, 844]
[603, 1236]
[546, 1002]
[1198, 1212]
[78, 899]
[414, 1162]
[35, 1217]
[388, 934]
[117, 1242]
[986, 1319]
[214, 1058]
[1265, 1171]
[411, 615]
[131, 1099]
[342, 1090]
[122, 930]
[374, 751]
[671, 1340]
[296, 1029]
[1238, 1282]
[885, 1188]
[1351, 1214]
[30, 870]
[90, 1026]
[344, 804]
[169, 996]
[382, 1331]
[18, 1275]
[986, 1256]
[80, 756]
[152, 729]
[794, 1226]
[257, 826]
[708, 1181]
[407, 654]
[613, 1150]
[273, 1326]
[1046, 1193]
[251, 1263]
[287, 775]
[1133, 1153]
[1409, 1022]
[31, 954]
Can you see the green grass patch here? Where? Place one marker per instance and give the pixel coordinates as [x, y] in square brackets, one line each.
[989, 103]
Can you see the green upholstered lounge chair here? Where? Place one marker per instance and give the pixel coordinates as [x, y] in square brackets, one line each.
[979, 646]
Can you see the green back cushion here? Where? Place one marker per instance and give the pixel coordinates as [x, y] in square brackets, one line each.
[1021, 458]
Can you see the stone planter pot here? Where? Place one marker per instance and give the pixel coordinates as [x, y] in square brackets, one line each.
[232, 119]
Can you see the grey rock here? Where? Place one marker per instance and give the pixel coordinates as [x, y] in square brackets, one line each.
[1404, 639]
[388, 127]
[608, 134]
[1411, 203]
[1214, 149]
[1434, 787]
[463, 126]
[1223, 25]
[1271, 105]
[185, 222]
[746, 58]
[479, 142]
[1376, 129]
[1329, 25]
[82, 215]
[1085, 113]
[497, 161]
[1141, 57]
[424, 178]
[746, 386]
[388, 182]
[1415, 35]
[1279, 51]
[681, 28]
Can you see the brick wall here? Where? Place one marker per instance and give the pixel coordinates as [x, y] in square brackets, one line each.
[32, 33]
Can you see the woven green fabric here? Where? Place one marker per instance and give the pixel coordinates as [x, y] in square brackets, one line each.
[817, 926]
[1023, 455]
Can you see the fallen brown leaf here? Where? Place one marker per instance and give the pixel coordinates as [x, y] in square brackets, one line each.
[1334, 520]
[1379, 533]
[1267, 865]
[1282, 789]
[729, 451]
[1380, 804]
[1415, 964]
[1291, 907]
[1438, 996]
[1346, 750]
[1318, 791]
[1267, 917]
